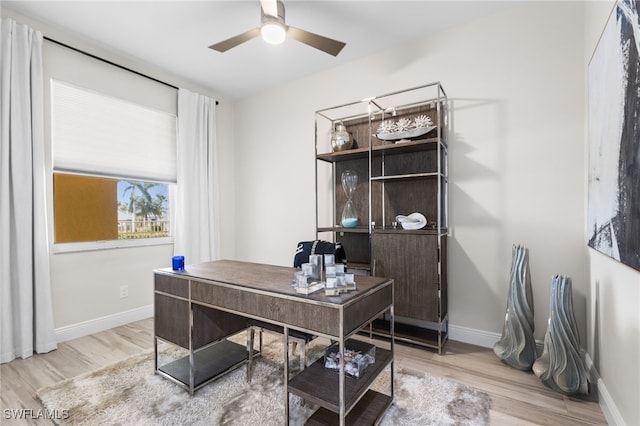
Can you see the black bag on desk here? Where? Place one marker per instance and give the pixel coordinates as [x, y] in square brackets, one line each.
[305, 248]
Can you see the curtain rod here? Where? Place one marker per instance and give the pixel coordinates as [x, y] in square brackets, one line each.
[91, 55]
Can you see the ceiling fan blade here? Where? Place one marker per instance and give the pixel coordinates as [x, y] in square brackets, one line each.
[227, 44]
[328, 45]
[270, 7]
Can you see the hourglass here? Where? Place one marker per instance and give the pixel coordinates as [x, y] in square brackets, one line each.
[349, 214]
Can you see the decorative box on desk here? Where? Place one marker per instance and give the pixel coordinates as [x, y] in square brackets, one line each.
[358, 357]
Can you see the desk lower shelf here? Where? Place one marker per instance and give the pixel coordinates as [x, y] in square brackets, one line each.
[209, 363]
[320, 385]
[367, 412]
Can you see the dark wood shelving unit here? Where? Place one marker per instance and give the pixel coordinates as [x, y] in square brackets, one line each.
[395, 178]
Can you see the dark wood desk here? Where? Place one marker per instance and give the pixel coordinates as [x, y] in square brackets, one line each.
[198, 308]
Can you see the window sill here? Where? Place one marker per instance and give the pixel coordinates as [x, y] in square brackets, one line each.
[62, 248]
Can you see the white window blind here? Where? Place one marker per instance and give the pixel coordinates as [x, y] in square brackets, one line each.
[102, 135]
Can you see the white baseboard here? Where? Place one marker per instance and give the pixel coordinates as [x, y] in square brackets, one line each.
[607, 404]
[472, 336]
[486, 339]
[96, 325]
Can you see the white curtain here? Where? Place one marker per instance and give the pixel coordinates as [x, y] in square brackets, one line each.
[26, 314]
[196, 231]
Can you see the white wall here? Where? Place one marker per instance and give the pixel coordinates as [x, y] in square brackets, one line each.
[516, 169]
[614, 326]
[85, 286]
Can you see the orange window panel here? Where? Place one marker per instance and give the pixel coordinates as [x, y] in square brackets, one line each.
[85, 208]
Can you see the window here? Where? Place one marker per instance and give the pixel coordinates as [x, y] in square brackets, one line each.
[142, 210]
[113, 166]
[88, 208]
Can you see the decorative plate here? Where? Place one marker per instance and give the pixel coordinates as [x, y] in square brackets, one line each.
[404, 135]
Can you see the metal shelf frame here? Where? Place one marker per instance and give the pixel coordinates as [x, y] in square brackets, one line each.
[368, 112]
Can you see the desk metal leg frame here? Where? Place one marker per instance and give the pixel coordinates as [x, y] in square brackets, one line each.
[286, 375]
[341, 364]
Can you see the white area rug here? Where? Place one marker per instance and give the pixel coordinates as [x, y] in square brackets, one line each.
[128, 393]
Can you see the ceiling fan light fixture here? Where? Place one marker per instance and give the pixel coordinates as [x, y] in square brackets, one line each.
[273, 32]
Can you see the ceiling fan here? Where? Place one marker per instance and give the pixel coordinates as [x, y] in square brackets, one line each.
[274, 30]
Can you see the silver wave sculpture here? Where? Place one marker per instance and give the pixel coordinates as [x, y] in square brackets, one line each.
[561, 367]
[517, 346]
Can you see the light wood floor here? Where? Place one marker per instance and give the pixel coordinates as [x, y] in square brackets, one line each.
[518, 398]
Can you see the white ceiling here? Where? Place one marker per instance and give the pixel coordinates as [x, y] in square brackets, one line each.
[174, 35]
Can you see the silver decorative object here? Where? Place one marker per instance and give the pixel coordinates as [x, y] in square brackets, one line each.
[560, 367]
[340, 139]
[517, 346]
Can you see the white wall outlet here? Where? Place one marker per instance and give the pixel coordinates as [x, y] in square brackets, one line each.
[124, 291]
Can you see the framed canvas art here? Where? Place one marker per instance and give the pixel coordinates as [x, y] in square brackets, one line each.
[613, 216]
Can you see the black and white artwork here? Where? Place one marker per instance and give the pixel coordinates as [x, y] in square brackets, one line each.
[613, 217]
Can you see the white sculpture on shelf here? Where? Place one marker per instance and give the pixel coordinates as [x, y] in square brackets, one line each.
[517, 346]
[422, 121]
[404, 129]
